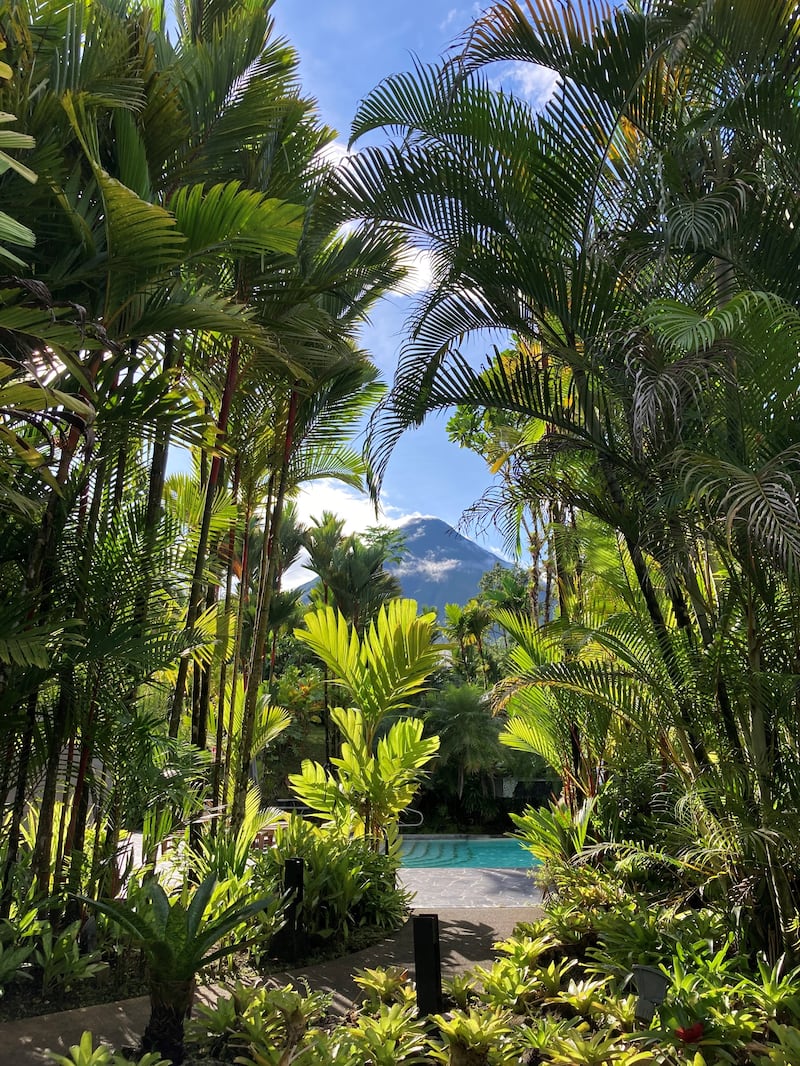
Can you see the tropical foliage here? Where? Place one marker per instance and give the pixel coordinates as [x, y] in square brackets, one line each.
[178, 321]
[180, 281]
[567, 989]
[635, 235]
[179, 939]
[188, 270]
[375, 779]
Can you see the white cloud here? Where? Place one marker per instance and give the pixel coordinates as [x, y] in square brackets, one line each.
[501, 553]
[437, 570]
[334, 152]
[355, 508]
[527, 81]
[449, 19]
[297, 574]
[411, 516]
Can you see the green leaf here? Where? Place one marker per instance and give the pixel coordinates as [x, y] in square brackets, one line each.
[236, 220]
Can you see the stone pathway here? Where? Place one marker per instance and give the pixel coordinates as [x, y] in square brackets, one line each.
[437, 888]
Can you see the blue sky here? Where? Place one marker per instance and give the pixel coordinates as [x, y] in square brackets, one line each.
[347, 47]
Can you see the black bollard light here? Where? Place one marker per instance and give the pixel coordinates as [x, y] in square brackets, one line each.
[293, 878]
[293, 884]
[427, 963]
[652, 986]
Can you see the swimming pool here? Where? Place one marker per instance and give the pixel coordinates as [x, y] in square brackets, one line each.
[493, 853]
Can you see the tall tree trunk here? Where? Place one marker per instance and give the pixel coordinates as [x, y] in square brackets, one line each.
[158, 462]
[196, 593]
[170, 1005]
[38, 581]
[565, 585]
[76, 833]
[230, 767]
[217, 787]
[155, 490]
[262, 619]
[18, 808]
[58, 866]
[41, 865]
[64, 712]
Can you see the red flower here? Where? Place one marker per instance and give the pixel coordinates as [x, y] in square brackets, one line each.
[691, 1034]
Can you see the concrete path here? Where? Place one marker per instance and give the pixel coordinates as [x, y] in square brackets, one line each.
[435, 888]
[466, 938]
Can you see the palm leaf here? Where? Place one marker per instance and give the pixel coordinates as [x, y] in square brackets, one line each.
[238, 220]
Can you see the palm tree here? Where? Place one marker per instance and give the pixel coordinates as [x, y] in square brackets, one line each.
[107, 172]
[185, 301]
[322, 539]
[305, 443]
[467, 626]
[620, 233]
[477, 622]
[456, 629]
[468, 733]
[358, 582]
[378, 670]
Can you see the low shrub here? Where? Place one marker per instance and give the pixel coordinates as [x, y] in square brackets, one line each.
[347, 886]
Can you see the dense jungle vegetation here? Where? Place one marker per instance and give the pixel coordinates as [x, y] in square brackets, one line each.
[186, 267]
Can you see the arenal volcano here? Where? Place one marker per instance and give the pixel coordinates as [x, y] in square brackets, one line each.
[440, 566]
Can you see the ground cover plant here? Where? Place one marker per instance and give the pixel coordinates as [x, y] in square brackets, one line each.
[348, 887]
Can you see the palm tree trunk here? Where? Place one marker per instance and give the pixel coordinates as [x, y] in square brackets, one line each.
[18, 808]
[64, 711]
[62, 821]
[5, 774]
[76, 833]
[217, 772]
[41, 866]
[230, 768]
[201, 706]
[565, 586]
[196, 594]
[158, 462]
[38, 579]
[262, 619]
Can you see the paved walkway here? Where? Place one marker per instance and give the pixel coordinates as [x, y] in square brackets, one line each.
[466, 938]
[436, 888]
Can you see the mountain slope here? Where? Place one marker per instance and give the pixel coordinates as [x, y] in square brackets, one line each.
[440, 565]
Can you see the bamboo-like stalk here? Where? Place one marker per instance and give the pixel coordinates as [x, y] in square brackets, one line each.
[262, 618]
[237, 646]
[198, 577]
[219, 757]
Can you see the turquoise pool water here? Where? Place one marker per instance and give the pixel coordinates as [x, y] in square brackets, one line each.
[494, 853]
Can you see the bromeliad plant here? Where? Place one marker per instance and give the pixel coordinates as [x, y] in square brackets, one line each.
[379, 671]
[179, 940]
[273, 1024]
[85, 1054]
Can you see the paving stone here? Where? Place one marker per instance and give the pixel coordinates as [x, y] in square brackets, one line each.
[456, 887]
